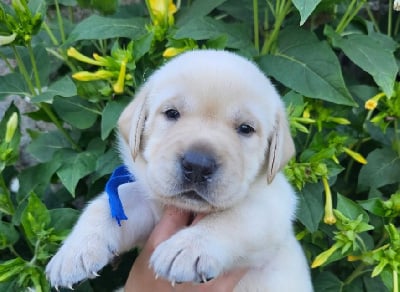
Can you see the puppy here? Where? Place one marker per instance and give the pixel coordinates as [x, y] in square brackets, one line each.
[206, 133]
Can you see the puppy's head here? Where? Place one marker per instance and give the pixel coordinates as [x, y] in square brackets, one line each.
[204, 128]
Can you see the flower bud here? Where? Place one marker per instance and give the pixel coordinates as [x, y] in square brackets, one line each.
[324, 256]
[73, 53]
[118, 87]
[5, 40]
[12, 125]
[329, 217]
[356, 156]
[172, 52]
[91, 76]
[18, 6]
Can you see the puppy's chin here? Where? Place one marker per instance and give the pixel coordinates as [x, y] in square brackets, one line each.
[190, 201]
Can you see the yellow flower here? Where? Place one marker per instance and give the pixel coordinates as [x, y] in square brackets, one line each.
[12, 125]
[72, 52]
[118, 87]
[356, 156]
[306, 113]
[7, 39]
[372, 103]
[161, 12]
[329, 217]
[323, 257]
[91, 76]
[172, 52]
[353, 258]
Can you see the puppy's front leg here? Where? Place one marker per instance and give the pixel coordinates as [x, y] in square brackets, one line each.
[97, 238]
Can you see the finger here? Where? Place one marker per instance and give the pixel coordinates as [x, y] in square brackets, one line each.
[172, 220]
[198, 217]
[224, 283]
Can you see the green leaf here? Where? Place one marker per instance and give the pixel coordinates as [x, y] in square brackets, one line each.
[106, 164]
[104, 6]
[98, 27]
[308, 66]
[43, 147]
[110, 116]
[311, 206]
[8, 234]
[369, 55]
[37, 178]
[142, 46]
[63, 219]
[13, 84]
[383, 168]
[63, 87]
[197, 9]
[76, 166]
[76, 111]
[350, 208]
[65, 2]
[205, 28]
[11, 269]
[374, 206]
[305, 7]
[35, 218]
[327, 282]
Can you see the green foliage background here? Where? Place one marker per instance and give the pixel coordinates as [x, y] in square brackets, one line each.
[335, 63]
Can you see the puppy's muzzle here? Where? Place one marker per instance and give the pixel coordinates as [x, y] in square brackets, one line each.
[198, 167]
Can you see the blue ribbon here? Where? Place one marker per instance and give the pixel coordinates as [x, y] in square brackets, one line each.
[120, 176]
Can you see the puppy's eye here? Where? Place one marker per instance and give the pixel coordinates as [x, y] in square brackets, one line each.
[172, 114]
[245, 129]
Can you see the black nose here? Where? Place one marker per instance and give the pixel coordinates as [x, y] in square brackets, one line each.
[198, 166]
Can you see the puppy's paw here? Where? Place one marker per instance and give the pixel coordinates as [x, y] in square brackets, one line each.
[188, 257]
[79, 259]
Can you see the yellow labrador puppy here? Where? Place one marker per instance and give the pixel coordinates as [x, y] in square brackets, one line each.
[207, 133]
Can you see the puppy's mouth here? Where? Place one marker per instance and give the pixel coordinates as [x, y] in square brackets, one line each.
[193, 196]
[191, 200]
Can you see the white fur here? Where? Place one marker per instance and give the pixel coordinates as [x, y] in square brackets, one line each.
[251, 205]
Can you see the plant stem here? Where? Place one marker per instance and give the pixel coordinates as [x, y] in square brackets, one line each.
[13, 251]
[47, 109]
[60, 21]
[395, 281]
[281, 10]
[372, 17]
[34, 68]
[50, 34]
[349, 15]
[390, 17]
[255, 26]
[23, 70]
[357, 272]
[396, 137]
[396, 26]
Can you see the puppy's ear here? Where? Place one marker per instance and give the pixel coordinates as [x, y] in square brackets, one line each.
[281, 146]
[131, 121]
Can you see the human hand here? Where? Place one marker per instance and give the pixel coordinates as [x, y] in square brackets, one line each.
[141, 277]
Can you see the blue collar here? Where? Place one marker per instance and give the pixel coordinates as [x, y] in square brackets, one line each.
[120, 176]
